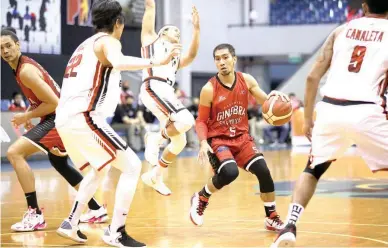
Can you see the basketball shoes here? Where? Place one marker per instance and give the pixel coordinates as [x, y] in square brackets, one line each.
[286, 238]
[273, 222]
[150, 179]
[68, 231]
[198, 206]
[95, 216]
[120, 238]
[31, 222]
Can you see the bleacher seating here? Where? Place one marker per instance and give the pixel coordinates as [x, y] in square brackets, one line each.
[291, 12]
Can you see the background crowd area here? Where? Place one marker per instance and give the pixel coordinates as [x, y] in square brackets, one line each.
[132, 119]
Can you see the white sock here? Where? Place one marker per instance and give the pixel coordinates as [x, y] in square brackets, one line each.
[125, 191]
[158, 170]
[118, 219]
[76, 212]
[269, 204]
[87, 189]
[295, 210]
[207, 190]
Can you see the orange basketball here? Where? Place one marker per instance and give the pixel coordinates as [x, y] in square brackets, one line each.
[276, 112]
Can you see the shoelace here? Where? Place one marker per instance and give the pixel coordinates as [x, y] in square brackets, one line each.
[277, 220]
[201, 206]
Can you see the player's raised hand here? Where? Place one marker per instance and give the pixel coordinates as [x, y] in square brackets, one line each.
[28, 125]
[203, 158]
[308, 128]
[283, 96]
[195, 17]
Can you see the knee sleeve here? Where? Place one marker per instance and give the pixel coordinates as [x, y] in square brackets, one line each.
[127, 162]
[177, 144]
[318, 170]
[228, 172]
[60, 164]
[260, 169]
[183, 120]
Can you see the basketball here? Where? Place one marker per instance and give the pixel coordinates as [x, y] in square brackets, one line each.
[277, 112]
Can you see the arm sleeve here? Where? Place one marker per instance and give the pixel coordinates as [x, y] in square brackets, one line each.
[201, 122]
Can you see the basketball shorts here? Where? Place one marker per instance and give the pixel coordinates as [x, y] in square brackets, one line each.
[160, 99]
[90, 141]
[45, 136]
[241, 149]
[338, 127]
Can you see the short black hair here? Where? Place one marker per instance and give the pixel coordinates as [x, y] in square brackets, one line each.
[10, 29]
[105, 13]
[224, 46]
[292, 94]
[6, 32]
[377, 6]
[15, 94]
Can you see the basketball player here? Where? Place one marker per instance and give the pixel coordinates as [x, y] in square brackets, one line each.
[223, 131]
[42, 92]
[91, 92]
[353, 109]
[157, 94]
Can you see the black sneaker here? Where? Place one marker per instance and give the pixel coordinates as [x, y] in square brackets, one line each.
[121, 239]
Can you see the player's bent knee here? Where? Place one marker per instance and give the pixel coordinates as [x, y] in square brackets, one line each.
[183, 121]
[260, 169]
[127, 162]
[228, 173]
[178, 143]
[318, 170]
[68, 172]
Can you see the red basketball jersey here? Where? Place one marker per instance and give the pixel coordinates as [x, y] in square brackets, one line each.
[28, 93]
[228, 115]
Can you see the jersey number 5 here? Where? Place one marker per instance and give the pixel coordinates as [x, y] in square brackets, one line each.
[357, 59]
[73, 63]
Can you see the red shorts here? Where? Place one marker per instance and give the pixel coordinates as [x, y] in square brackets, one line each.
[241, 149]
[45, 136]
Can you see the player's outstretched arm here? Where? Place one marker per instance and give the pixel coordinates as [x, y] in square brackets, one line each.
[31, 77]
[204, 108]
[148, 34]
[193, 50]
[111, 48]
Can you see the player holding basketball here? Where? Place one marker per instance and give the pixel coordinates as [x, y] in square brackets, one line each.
[354, 101]
[223, 130]
[157, 94]
[42, 92]
[91, 91]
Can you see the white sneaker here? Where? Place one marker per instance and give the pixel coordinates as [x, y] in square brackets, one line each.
[156, 184]
[198, 206]
[31, 222]
[120, 238]
[152, 147]
[286, 238]
[273, 223]
[69, 231]
[95, 216]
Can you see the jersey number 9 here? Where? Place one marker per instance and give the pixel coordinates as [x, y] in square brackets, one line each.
[357, 59]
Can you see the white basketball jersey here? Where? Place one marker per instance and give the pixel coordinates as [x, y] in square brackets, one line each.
[158, 50]
[360, 62]
[88, 86]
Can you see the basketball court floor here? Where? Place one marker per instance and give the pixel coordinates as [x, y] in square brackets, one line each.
[349, 208]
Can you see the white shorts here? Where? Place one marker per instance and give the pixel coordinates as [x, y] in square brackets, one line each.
[160, 99]
[339, 127]
[90, 140]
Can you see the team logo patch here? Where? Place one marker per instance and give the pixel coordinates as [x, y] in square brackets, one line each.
[222, 149]
[340, 187]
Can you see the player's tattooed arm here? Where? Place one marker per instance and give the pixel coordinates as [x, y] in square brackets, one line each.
[148, 34]
[193, 50]
[255, 89]
[319, 69]
[32, 78]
